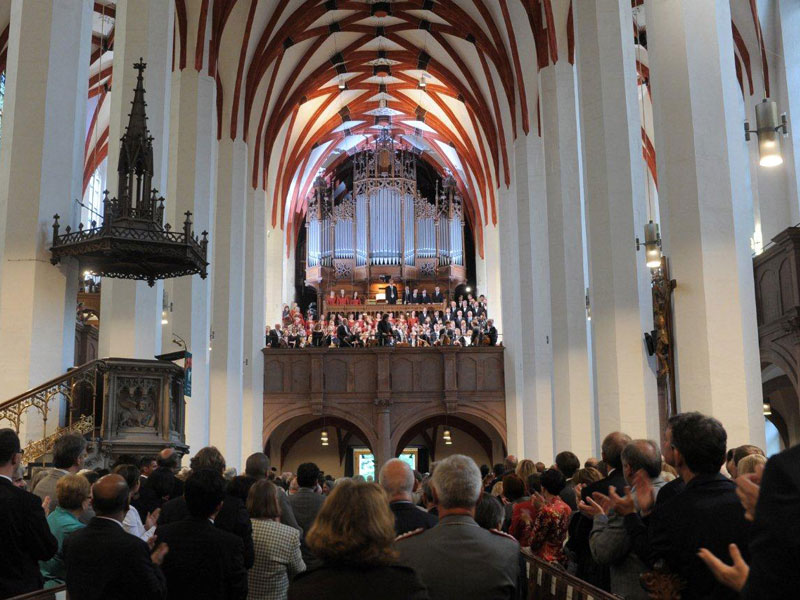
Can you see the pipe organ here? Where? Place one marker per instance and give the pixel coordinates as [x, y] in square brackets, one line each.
[383, 226]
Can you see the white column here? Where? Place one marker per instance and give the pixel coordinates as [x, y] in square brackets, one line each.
[130, 311]
[494, 291]
[255, 322]
[288, 258]
[573, 406]
[192, 187]
[227, 315]
[480, 269]
[787, 57]
[614, 189]
[702, 161]
[274, 275]
[533, 324]
[41, 168]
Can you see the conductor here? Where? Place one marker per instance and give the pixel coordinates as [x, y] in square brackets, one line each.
[385, 335]
[391, 293]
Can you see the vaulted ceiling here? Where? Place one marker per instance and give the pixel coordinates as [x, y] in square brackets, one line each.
[304, 82]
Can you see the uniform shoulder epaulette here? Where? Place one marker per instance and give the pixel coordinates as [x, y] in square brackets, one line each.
[409, 534]
[503, 533]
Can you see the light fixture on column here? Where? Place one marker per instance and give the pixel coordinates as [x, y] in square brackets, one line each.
[768, 124]
[652, 245]
[342, 84]
[767, 409]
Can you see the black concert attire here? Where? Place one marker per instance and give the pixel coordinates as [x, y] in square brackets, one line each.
[406, 296]
[385, 336]
[438, 297]
[346, 338]
[391, 294]
[274, 338]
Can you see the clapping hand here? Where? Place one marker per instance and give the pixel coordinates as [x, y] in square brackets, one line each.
[747, 488]
[538, 500]
[46, 505]
[623, 505]
[644, 491]
[159, 553]
[591, 508]
[733, 576]
[152, 519]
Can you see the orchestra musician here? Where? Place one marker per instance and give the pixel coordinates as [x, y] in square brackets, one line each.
[346, 337]
[491, 332]
[391, 293]
[274, 336]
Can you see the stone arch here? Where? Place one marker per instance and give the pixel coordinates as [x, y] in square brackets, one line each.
[278, 418]
[318, 423]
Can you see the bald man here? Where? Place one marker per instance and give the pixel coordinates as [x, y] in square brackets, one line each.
[397, 479]
[103, 560]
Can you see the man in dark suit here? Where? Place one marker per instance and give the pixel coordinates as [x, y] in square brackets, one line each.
[491, 333]
[161, 486]
[274, 336]
[306, 503]
[103, 560]
[232, 517]
[346, 337]
[203, 561]
[407, 295]
[581, 526]
[391, 293]
[415, 297]
[707, 514]
[438, 297]
[25, 535]
[256, 467]
[385, 335]
[397, 479]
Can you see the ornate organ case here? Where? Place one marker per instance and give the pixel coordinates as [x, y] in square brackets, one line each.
[384, 227]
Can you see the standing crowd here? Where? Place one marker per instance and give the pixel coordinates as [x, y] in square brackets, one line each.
[640, 522]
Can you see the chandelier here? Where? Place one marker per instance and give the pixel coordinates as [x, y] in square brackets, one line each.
[132, 243]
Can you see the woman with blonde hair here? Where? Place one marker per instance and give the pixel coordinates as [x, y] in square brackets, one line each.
[73, 494]
[353, 536]
[525, 469]
[277, 546]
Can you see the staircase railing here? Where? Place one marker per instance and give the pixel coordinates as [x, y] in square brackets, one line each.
[77, 390]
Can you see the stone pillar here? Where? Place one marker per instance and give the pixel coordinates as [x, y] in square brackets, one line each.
[274, 275]
[615, 213]
[383, 427]
[41, 168]
[130, 311]
[707, 212]
[255, 323]
[227, 353]
[192, 187]
[573, 404]
[534, 323]
[288, 256]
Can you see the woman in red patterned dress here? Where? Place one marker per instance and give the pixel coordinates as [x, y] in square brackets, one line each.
[550, 525]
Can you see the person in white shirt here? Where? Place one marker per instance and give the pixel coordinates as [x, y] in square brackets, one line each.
[132, 523]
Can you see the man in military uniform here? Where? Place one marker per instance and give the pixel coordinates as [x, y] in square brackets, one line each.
[457, 558]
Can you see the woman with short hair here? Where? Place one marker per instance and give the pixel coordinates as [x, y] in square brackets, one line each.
[353, 536]
[277, 546]
[550, 525]
[73, 493]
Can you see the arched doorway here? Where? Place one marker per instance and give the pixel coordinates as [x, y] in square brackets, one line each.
[781, 408]
[300, 439]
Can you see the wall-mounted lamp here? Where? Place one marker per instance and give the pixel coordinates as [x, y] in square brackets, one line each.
[768, 124]
[652, 245]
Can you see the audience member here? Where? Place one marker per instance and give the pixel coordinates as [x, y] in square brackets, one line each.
[25, 537]
[487, 561]
[277, 547]
[581, 527]
[489, 513]
[550, 525]
[750, 464]
[257, 467]
[161, 485]
[352, 536]
[147, 464]
[132, 523]
[69, 452]
[706, 514]
[610, 543]
[103, 561]
[232, 517]
[568, 463]
[524, 512]
[18, 478]
[525, 468]
[397, 480]
[204, 561]
[773, 572]
[306, 504]
[513, 493]
[73, 495]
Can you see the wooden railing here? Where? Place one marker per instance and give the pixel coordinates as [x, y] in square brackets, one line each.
[549, 582]
[56, 593]
[77, 388]
[382, 307]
